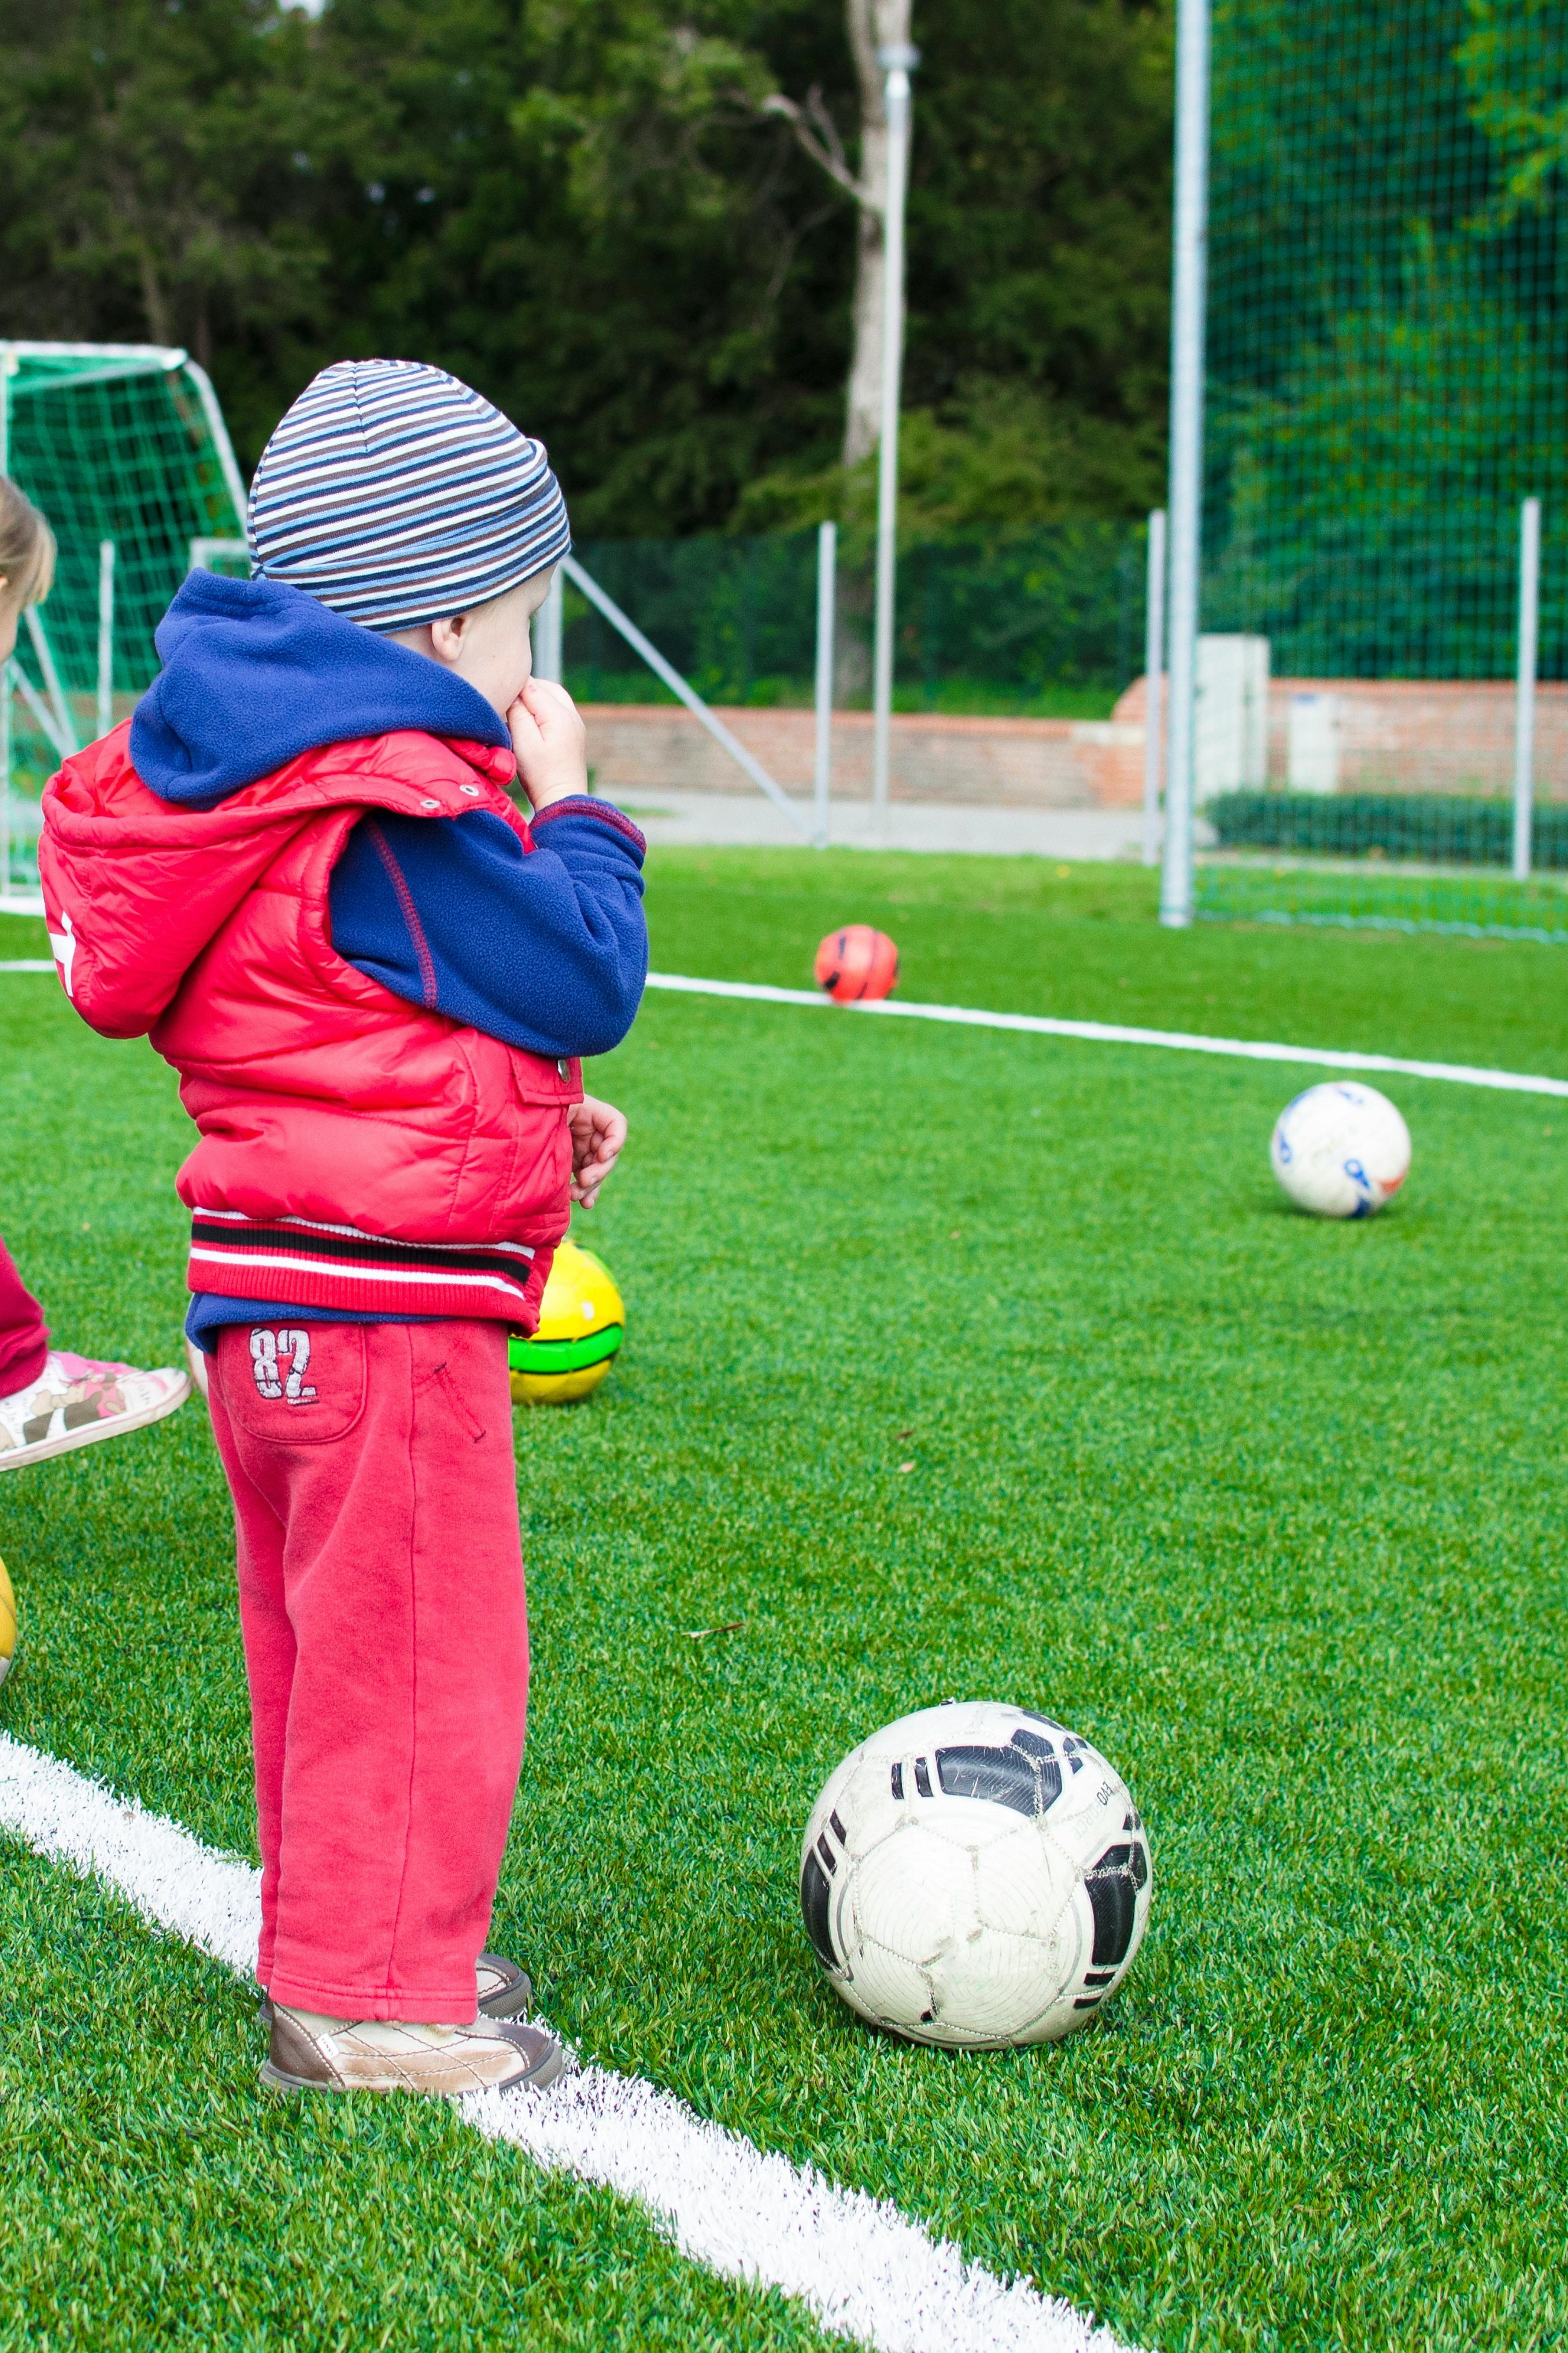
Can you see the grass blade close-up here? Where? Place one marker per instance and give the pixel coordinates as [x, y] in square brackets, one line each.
[958, 1364]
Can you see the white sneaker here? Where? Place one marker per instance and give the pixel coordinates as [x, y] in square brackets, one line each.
[77, 1401]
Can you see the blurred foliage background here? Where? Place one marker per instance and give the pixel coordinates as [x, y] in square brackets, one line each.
[584, 207]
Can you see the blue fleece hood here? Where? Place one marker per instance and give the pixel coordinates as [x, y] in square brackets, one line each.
[255, 673]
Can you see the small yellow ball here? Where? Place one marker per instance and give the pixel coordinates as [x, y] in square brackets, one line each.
[7, 1624]
[582, 1323]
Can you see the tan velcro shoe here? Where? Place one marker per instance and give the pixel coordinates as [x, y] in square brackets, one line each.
[504, 1990]
[313, 2053]
[501, 1987]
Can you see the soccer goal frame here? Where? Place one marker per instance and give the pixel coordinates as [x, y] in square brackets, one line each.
[72, 654]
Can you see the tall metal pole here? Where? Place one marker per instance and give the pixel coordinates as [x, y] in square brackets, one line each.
[1187, 319]
[898, 62]
[1154, 685]
[826, 571]
[1524, 705]
[105, 636]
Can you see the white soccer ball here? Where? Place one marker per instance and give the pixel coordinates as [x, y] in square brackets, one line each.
[975, 1876]
[1340, 1150]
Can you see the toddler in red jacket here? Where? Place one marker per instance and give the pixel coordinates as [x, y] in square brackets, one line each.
[300, 869]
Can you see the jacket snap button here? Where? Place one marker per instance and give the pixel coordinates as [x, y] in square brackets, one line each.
[564, 1069]
[429, 804]
[473, 791]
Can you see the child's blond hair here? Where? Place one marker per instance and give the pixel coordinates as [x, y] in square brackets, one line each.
[26, 549]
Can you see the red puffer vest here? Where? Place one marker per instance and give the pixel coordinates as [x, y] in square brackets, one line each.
[356, 1151]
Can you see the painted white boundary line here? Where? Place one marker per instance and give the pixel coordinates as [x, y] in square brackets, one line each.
[212, 1901]
[862, 2268]
[1097, 1033]
[1113, 1033]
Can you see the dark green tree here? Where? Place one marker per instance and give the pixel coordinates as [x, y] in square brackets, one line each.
[150, 182]
[587, 208]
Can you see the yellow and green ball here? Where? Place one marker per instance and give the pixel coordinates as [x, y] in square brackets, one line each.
[7, 1624]
[582, 1323]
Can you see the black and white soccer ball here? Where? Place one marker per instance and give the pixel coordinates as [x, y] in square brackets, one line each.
[975, 1876]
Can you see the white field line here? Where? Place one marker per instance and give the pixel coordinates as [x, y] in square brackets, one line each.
[863, 2269]
[1097, 1033]
[1115, 1033]
[29, 963]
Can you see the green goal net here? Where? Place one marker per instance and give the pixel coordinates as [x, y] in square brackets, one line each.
[1386, 425]
[124, 448]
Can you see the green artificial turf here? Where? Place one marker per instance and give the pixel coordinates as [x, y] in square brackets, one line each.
[1033, 935]
[1273, 1509]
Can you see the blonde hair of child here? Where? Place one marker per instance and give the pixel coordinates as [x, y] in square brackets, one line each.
[26, 549]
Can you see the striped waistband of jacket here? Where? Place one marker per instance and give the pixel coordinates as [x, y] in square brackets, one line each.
[313, 1264]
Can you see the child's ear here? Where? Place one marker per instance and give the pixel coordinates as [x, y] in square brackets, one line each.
[446, 635]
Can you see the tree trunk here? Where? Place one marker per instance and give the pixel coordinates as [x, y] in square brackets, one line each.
[863, 403]
[154, 303]
[873, 25]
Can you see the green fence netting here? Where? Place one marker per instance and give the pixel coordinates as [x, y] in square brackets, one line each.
[1387, 381]
[1047, 622]
[122, 445]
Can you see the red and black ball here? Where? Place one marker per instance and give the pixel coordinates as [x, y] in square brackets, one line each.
[857, 964]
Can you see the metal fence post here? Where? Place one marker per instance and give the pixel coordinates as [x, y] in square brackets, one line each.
[826, 569]
[1154, 686]
[1524, 703]
[548, 630]
[105, 636]
[1188, 275]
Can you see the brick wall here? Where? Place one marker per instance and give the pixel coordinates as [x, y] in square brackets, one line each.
[1396, 735]
[1417, 734]
[638, 750]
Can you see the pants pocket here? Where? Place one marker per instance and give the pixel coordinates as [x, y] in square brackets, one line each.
[295, 1384]
[447, 1385]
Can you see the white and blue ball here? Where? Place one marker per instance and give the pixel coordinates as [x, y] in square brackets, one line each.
[975, 1876]
[1340, 1150]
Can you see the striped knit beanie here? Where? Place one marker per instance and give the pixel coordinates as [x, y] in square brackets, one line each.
[393, 493]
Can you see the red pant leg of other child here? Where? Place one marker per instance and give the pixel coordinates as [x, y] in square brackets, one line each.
[382, 1601]
[23, 1335]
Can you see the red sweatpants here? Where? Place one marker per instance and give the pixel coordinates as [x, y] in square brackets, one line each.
[386, 1647]
[23, 1335]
